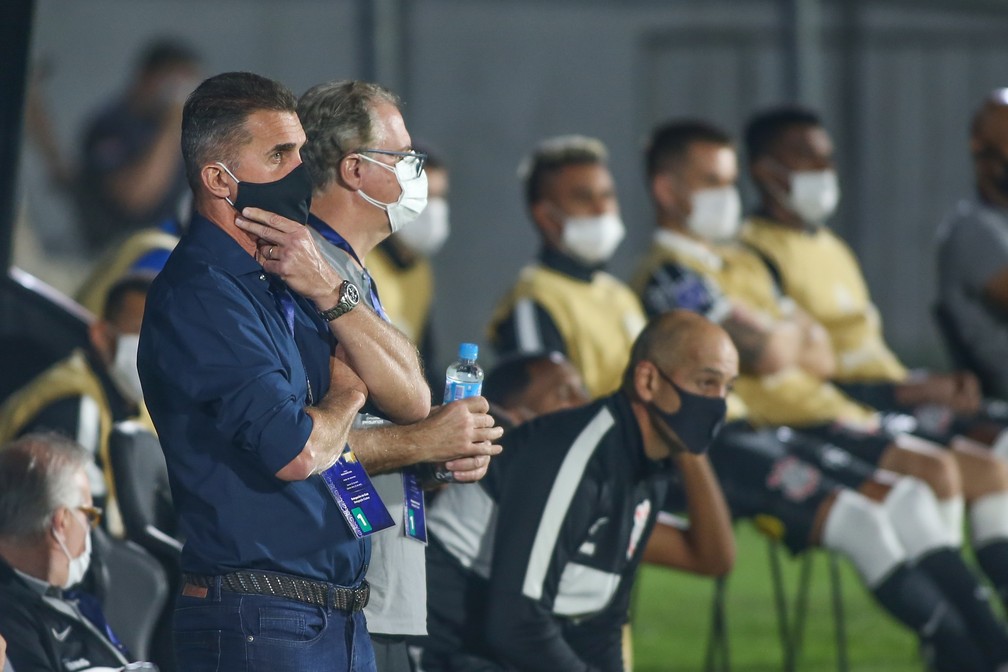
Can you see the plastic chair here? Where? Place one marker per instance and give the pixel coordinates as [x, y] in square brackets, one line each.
[141, 480]
[790, 620]
[133, 589]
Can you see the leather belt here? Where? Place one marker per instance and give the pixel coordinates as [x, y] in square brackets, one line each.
[318, 593]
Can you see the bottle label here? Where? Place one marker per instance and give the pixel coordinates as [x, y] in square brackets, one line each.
[456, 390]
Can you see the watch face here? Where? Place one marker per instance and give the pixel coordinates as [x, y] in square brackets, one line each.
[352, 294]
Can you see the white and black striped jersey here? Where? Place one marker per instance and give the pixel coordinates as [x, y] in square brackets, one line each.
[557, 527]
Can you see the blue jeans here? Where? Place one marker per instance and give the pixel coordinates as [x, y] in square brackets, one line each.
[233, 632]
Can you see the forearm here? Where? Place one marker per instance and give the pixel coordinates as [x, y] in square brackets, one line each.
[140, 185]
[381, 450]
[815, 353]
[386, 361]
[332, 419]
[710, 543]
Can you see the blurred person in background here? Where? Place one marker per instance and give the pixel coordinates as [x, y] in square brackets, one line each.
[797, 486]
[131, 174]
[790, 157]
[565, 301]
[973, 251]
[46, 517]
[83, 395]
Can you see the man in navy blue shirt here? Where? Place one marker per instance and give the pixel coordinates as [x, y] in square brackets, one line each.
[254, 364]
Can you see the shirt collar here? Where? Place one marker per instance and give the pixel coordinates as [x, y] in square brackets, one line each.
[688, 247]
[43, 588]
[560, 262]
[227, 253]
[632, 438]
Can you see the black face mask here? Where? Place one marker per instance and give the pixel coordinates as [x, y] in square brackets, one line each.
[698, 419]
[289, 197]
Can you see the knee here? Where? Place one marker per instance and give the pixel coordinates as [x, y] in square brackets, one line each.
[936, 467]
[861, 530]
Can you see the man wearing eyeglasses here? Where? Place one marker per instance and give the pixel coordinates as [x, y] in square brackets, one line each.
[368, 183]
[46, 516]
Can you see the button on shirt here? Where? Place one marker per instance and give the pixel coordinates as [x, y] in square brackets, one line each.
[227, 387]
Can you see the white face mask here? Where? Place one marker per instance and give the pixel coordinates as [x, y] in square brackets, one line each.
[124, 371]
[715, 213]
[428, 232]
[593, 240]
[413, 195]
[814, 195]
[77, 566]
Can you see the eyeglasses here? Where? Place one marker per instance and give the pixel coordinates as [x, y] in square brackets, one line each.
[93, 515]
[419, 157]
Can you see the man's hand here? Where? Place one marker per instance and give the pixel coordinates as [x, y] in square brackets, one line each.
[286, 249]
[458, 435]
[960, 391]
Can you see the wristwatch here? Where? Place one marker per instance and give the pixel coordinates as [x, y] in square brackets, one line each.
[349, 296]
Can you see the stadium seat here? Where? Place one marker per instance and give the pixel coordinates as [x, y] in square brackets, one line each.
[133, 590]
[144, 496]
[790, 620]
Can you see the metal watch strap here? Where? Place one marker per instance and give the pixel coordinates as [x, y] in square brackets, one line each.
[349, 296]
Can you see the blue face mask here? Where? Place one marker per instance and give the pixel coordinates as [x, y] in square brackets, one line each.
[698, 419]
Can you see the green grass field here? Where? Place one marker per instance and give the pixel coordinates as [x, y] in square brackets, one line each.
[672, 618]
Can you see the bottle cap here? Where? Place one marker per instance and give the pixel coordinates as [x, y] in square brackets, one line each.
[468, 351]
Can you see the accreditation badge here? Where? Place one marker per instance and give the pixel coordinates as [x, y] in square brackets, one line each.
[351, 488]
[415, 518]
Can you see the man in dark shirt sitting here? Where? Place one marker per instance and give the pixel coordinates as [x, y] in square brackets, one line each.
[254, 363]
[46, 514]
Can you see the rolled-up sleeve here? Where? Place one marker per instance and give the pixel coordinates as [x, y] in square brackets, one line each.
[212, 345]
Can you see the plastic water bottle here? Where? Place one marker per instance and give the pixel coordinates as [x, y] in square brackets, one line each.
[464, 378]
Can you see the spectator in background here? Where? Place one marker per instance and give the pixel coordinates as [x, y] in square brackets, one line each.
[46, 516]
[535, 563]
[565, 301]
[902, 541]
[131, 174]
[791, 162]
[973, 251]
[83, 395]
[401, 265]
[356, 137]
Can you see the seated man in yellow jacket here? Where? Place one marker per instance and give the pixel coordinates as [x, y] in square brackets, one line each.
[565, 301]
[785, 359]
[83, 395]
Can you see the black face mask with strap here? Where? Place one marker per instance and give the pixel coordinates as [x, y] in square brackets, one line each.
[698, 419]
[289, 197]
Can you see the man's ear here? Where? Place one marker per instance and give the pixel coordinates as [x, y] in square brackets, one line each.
[216, 180]
[548, 221]
[764, 172]
[349, 172]
[102, 339]
[667, 192]
[645, 381]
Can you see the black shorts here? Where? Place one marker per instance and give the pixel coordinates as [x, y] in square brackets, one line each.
[778, 479]
[865, 446]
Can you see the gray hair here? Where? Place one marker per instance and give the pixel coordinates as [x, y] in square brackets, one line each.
[339, 118]
[37, 475]
[554, 154]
